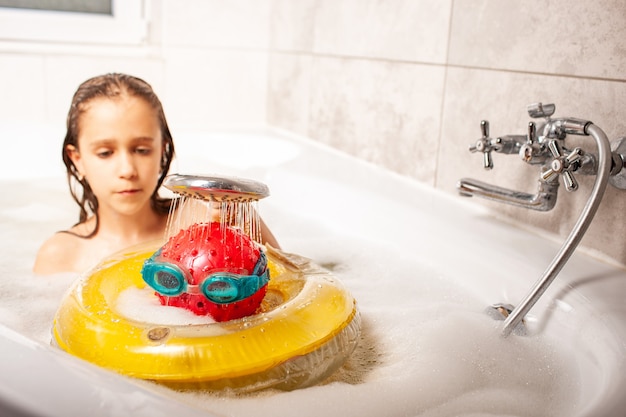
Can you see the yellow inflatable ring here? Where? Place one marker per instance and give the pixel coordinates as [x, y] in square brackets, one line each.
[307, 328]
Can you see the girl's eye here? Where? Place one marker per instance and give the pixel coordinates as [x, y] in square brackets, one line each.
[143, 151]
[104, 153]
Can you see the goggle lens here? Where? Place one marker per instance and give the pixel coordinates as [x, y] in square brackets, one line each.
[165, 278]
[167, 281]
[221, 289]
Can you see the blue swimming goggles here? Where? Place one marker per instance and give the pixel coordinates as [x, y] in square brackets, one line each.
[220, 287]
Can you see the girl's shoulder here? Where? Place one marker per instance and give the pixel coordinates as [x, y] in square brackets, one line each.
[60, 253]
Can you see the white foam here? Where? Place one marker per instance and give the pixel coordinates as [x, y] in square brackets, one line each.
[427, 348]
[143, 305]
[421, 358]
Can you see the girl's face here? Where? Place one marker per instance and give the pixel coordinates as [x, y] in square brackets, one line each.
[119, 152]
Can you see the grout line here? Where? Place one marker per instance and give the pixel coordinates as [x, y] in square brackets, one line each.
[445, 65]
[443, 97]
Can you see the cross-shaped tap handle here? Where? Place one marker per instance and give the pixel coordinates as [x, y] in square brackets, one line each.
[484, 128]
[532, 133]
[563, 164]
[484, 145]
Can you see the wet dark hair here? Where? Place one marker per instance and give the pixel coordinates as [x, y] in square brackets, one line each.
[112, 86]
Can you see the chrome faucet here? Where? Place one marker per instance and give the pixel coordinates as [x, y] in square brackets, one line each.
[548, 150]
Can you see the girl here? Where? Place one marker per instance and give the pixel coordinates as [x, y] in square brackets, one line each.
[117, 151]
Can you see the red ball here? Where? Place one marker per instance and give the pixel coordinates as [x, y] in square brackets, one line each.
[206, 248]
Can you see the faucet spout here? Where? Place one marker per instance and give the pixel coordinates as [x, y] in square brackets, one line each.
[543, 200]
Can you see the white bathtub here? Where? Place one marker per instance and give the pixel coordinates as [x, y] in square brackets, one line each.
[422, 265]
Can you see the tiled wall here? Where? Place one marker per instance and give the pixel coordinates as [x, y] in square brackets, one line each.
[403, 83]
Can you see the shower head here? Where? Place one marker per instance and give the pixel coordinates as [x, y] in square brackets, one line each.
[216, 189]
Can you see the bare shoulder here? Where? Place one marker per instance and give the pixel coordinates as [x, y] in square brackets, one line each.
[58, 254]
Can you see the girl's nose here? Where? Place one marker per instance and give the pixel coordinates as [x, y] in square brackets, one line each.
[127, 168]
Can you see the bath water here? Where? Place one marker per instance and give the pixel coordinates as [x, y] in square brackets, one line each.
[427, 347]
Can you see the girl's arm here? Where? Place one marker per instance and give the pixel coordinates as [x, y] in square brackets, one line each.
[267, 236]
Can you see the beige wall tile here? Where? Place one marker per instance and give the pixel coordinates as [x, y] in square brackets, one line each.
[557, 37]
[406, 30]
[385, 113]
[206, 89]
[289, 92]
[293, 24]
[23, 88]
[215, 23]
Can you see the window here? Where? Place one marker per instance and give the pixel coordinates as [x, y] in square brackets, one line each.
[92, 6]
[111, 22]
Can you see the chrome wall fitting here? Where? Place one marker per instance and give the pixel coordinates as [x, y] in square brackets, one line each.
[544, 145]
[618, 173]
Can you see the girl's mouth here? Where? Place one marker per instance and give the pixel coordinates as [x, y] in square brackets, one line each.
[129, 192]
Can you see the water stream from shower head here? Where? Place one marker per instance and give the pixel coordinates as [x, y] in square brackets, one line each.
[230, 200]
